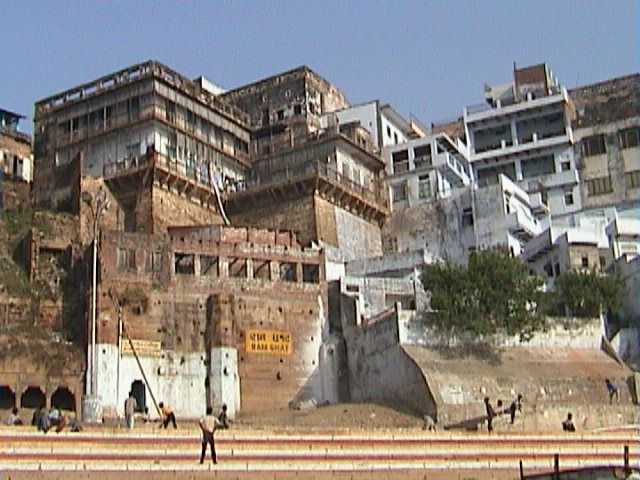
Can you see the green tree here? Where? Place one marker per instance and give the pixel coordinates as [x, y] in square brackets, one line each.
[494, 293]
[587, 293]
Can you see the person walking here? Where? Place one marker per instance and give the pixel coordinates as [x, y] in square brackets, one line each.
[208, 425]
[516, 406]
[167, 416]
[491, 413]
[130, 406]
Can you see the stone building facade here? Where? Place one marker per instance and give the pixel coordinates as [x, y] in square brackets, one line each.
[607, 135]
[116, 123]
[215, 314]
[284, 109]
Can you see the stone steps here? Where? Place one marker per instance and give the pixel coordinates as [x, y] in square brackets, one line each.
[22, 450]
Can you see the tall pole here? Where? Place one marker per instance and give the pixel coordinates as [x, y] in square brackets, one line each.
[94, 357]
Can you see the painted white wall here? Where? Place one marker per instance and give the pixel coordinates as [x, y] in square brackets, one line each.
[224, 380]
[178, 380]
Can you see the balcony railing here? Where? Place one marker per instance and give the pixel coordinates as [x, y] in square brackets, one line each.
[322, 170]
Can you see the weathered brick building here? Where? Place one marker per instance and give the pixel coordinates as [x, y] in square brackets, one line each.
[285, 108]
[216, 315]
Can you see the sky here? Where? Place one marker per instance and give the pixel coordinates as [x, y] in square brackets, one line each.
[428, 59]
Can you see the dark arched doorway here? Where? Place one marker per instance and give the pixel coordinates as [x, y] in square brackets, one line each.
[140, 394]
[33, 397]
[63, 399]
[7, 397]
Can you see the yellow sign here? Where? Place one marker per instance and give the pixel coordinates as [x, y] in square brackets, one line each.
[144, 348]
[268, 341]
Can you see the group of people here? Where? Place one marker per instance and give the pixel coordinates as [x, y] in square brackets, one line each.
[45, 420]
[516, 406]
[208, 424]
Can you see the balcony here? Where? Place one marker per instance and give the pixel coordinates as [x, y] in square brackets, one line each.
[507, 148]
[522, 226]
[135, 171]
[309, 178]
[552, 180]
[480, 113]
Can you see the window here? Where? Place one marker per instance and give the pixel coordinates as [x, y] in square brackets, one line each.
[399, 192]
[133, 149]
[310, 273]
[424, 186]
[538, 166]
[288, 272]
[185, 263]
[280, 114]
[422, 155]
[297, 109]
[629, 138]
[395, 138]
[585, 261]
[400, 161]
[632, 179]
[388, 131]
[265, 116]
[262, 269]
[568, 197]
[170, 110]
[238, 267]
[134, 108]
[599, 186]
[593, 146]
[564, 166]
[467, 217]
[209, 266]
[126, 259]
[154, 262]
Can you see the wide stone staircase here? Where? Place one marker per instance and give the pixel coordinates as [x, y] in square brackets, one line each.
[272, 454]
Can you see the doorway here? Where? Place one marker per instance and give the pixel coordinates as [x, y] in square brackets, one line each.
[140, 394]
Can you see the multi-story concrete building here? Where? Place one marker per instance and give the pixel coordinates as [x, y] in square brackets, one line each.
[149, 131]
[607, 134]
[427, 167]
[524, 132]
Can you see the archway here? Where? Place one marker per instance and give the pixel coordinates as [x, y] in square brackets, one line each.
[7, 397]
[140, 394]
[33, 397]
[63, 399]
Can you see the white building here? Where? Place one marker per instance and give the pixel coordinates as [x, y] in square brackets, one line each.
[524, 132]
[427, 167]
[386, 126]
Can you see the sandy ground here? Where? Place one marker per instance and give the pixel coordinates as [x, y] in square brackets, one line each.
[352, 416]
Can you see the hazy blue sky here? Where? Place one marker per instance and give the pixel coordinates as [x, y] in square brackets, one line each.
[426, 58]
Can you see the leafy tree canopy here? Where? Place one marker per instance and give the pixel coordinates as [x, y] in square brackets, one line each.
[587, 293]
[494, 293]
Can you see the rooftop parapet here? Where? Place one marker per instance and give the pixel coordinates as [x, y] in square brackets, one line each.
[135, 73]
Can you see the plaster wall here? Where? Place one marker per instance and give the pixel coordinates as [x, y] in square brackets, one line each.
[380, 371]
[560, 333]
[175, 378]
